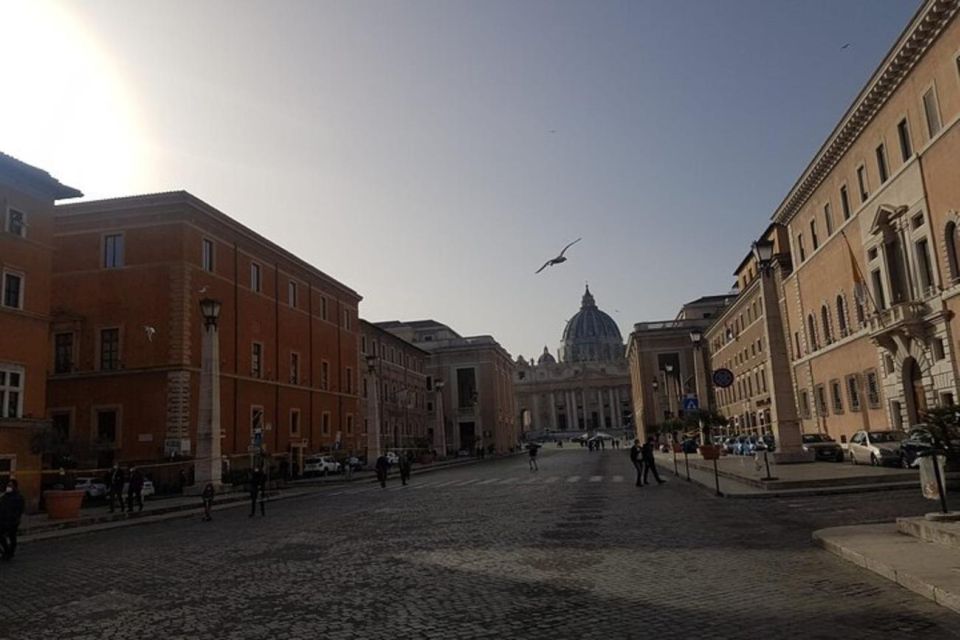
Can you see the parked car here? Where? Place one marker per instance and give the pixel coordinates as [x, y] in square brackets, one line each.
[823, 447]
[875, 447]
[921, 439]
[356, 464]
[147, 491]
[94, 488]
[320, 465]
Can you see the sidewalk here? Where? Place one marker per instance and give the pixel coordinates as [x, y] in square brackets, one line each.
[38, 526]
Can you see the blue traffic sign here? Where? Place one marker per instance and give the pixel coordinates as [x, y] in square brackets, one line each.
[690, 404]
[723, 378]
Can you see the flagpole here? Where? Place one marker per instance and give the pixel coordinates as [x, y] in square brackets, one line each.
[858, 277]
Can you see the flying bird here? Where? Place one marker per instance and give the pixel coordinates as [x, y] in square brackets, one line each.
[150, 331]
[846, 46]
[559, 258]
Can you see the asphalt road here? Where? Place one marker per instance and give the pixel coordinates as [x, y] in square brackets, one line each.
[492, 550]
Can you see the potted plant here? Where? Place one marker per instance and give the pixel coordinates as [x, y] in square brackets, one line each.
[63, 501]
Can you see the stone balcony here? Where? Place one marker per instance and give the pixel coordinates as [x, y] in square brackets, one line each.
[905, 317]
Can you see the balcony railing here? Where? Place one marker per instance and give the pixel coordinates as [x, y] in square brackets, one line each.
[897, 316]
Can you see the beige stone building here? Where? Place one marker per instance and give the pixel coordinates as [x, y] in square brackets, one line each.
[474, 400]
[870, 306]
[588, 389]
[666, 366]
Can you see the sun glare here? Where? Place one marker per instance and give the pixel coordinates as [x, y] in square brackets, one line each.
[65, 107]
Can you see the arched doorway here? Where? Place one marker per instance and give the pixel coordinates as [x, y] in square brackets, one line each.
[913, 390]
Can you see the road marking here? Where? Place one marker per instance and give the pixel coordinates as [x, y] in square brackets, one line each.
[618, 478]
[447, 483]
[573, 479]
[596, 478]
[532, 480]
[457, 483]
[552, 479]
[489, 481]
[509, 480]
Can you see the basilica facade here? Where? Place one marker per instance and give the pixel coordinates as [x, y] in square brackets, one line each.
[588, 389]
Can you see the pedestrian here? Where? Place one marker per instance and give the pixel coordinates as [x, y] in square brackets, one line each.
[404, 465]
[649, 462]
[635, 459]
[258, 486]
[533, 447]
[182, 480]
[135, 489]
[207, 497]
[115, 486]
[382, 466]
[11, 510]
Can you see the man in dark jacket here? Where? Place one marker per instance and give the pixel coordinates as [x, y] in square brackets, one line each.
[635, 452]
[649, 463]
[135, 489]
[258, 485]
[115, 482]
[11, 510]
[382, 466]
[404, 466]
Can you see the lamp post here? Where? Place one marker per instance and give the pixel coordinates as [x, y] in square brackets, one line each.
[373, 442]
[440, 435]
[668, 374]
[207, 464]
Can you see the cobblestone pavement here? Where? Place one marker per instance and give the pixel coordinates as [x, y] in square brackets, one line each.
[485, 551]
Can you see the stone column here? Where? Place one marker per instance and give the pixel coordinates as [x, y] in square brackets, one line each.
[207, 463]
[602, 415]
[586, 418]
[553, 411]
[535, 426]
[614, 410]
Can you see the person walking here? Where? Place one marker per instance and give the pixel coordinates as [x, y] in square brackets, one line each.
[115, 486]
[404, 466]
[649, 462]
[135, 489]
[382, 466]
[635, 458]
[11, 510]
[533, 447]
[207, 498]
[258, 485]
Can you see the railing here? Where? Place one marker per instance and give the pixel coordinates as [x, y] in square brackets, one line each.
[897, 314]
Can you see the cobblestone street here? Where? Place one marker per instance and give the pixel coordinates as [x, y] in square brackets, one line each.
[483, 551]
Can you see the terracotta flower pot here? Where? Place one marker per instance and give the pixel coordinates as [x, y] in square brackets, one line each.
[677, 447]
[63, 504]
[709, 451]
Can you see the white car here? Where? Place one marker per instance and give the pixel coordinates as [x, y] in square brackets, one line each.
[875, 447]
[146, 492]
[94, 488]
[317, 465]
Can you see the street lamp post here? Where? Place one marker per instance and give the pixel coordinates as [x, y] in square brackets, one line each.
[440, 435]
[374, 442]
[207, 464]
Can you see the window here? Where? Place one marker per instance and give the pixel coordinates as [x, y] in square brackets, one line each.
[12, 290]
[882, 163]
[350, 424]
[292, 294]
[294, 368]
[845, 202]
[256, 424]
[107, 426]
[936, 345]
[325, 423]
[836, 396]
[880, 299]
[60, 421]
[804, 404]
[294, 422]
[931, 112]
[853, 392]
[825, 321]
[206, 255]
[903, 134]
[828, 218]
[63, 353]
[800, 248]
[16, 223]
[796, 339]
[873, 389]
[946, 399]
[861, 312]
[466, 388]
[917, 221]
[813, 235]
[113, 251]
[924, 266]
[11, 391]
[811, 334]
[842, 316]
[950, 238]
[820, 396]
[862, 182]
[324, 375]
[256, 360]
[109, 349]
[349, 380]
[255, 281]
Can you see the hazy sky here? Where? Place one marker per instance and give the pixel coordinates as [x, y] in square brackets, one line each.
[432, 155]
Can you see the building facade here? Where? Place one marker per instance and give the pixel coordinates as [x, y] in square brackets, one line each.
[395, 394]
[27, 196]
[125, 340]
[667, 367]
[872, 222]
[474, 399]
[587, 390]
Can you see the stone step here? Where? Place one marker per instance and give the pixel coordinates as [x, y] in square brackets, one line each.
[945, 533]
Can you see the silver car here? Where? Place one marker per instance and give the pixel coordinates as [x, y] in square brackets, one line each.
[875, 447]
[823, 447]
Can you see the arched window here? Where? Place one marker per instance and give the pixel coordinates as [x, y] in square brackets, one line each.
[950, 238]
[825, 320]
[812, 333]
[861, 314]
[842, 316]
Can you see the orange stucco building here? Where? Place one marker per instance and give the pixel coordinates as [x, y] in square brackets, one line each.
[27, 196]
[125, 351]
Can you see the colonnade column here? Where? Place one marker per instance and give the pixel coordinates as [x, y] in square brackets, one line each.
[614, 410]
[602, 424]
[553, 411]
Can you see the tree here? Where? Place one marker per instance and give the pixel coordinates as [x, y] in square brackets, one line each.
[944, 424]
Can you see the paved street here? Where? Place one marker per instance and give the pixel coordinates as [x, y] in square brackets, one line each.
[483, 551]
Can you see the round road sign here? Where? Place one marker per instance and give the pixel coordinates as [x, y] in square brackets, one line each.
[723, 378]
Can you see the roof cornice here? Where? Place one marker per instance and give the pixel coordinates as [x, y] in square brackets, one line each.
[927, 25]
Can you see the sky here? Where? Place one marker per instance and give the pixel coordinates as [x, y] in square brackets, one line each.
[433, 154]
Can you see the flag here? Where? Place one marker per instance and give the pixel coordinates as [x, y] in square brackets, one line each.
[860, 290]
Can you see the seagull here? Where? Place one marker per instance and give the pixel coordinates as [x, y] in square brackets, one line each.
[846, 46]
[150, 331]
[559, 258]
